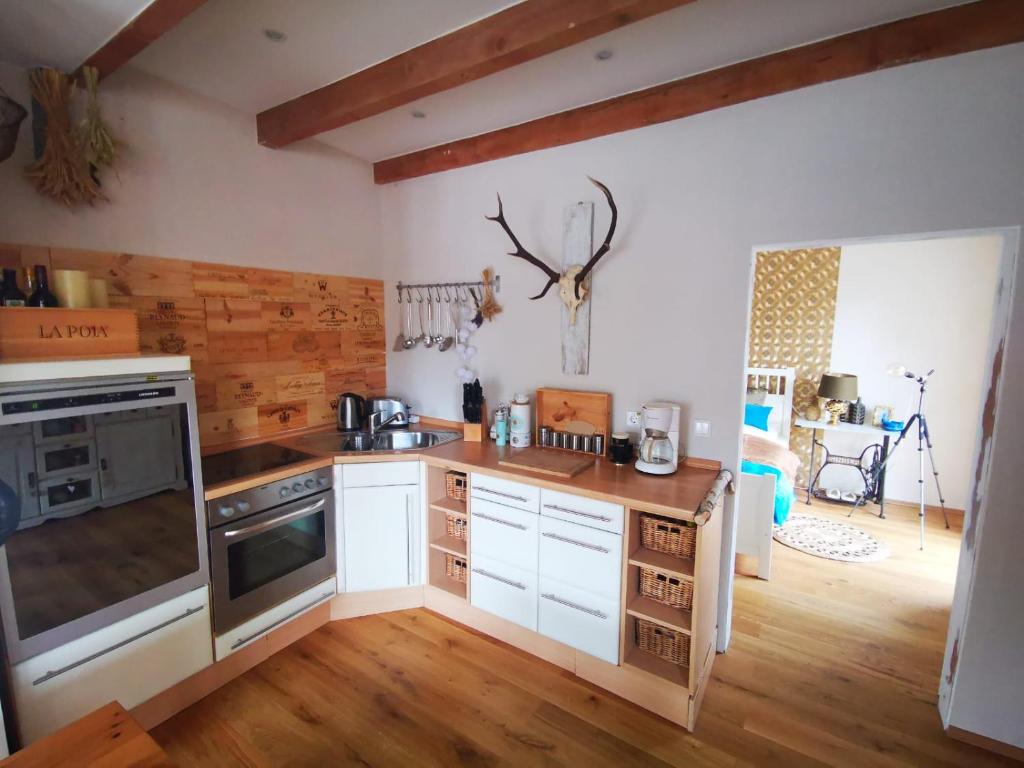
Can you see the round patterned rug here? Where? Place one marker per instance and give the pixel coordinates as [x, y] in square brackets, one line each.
[831, 539]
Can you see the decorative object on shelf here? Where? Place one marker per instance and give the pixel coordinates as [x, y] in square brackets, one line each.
[830, 539]
[98, 146]
[98, 296]
[71, 287]
[11, 115]
[62, 172]
[881, 413]
[578, 260]
[839, 389]
[812, 412]
[857, 412]
[41, 296]
[455, 485]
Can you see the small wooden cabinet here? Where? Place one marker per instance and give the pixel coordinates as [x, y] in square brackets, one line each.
[380, 526]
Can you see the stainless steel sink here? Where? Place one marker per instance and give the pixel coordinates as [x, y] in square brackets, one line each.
[390, 440]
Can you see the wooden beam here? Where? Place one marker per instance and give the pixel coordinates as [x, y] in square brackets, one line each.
[517, 34]
[158, 17]
[964, 28]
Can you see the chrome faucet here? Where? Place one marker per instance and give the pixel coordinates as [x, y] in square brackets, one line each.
[377, 421]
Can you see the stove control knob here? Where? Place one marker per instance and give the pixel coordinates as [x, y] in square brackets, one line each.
[297, 487]
[225, 511]
[285, 492]
[243, 506]
[321, 481]
[310, 482]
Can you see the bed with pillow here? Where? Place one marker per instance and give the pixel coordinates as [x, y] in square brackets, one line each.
[768, 469]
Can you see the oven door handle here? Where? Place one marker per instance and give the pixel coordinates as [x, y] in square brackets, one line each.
[266, 524]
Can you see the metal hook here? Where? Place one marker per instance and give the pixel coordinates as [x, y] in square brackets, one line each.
[419, 296]
[447, 295]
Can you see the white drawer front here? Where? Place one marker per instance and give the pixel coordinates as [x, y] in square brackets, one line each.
[578, 509]
[504, 533]
[581, 619]
[507, 492]
[255, 628]
[130, 662]
[504, 590]
[584, 557]
[381, 473]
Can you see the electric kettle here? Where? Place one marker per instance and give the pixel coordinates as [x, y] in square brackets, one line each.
[351, 412]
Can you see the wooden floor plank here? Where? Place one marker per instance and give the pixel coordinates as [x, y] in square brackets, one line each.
[830, 664]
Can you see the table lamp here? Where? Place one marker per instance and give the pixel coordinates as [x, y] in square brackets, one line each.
[839, 389]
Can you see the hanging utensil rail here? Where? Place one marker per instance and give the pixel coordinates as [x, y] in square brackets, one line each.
[405, 287]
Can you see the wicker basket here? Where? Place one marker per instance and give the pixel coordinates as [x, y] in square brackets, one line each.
[669, 536]
[666, 589]
[455, 525]
[455, 485]
[455, 568]
[665, 643]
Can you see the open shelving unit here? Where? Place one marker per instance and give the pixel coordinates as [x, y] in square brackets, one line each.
[441, 544]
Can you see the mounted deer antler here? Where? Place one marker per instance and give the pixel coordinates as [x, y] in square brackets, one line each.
[524, 254]
[571, 290]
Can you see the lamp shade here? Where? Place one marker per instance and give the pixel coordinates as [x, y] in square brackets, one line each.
[838, 386]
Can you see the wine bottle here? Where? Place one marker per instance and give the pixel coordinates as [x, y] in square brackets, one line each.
[11, 295]
[42, 297]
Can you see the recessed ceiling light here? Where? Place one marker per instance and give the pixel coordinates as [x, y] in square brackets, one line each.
[275, 35]
[418, 114]
[604, 54]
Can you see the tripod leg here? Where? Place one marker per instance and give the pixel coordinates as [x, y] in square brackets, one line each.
[935, 472]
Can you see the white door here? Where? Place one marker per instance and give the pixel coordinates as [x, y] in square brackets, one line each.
[380, 536]
[18, 470]
[136, 457]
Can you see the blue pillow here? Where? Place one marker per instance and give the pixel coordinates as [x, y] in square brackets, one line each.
[757, 416]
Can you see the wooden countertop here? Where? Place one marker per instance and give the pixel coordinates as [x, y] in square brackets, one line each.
[108, 737]
[679, 494]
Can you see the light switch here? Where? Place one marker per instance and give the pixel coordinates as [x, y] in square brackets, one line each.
[701, 428]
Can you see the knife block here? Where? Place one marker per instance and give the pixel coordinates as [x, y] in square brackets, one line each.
[475, 433]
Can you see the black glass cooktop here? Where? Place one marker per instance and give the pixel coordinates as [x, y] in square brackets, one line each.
[243, 462]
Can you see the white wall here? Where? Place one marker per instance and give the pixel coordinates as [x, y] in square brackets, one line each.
[925, 304]
[921, 148]
[194, 184]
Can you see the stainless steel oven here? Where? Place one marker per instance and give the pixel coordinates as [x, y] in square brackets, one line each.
[105, 474]
[268, 544]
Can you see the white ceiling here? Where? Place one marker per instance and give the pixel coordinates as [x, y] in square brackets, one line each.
[60, 33]
[220, 51]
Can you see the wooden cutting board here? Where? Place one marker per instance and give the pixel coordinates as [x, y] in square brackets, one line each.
[549, 461]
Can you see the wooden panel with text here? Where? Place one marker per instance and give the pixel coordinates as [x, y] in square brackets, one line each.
[271, 349]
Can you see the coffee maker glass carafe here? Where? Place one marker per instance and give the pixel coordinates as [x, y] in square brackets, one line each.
[656, 448]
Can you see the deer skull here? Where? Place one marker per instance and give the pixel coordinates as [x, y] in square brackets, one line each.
[571, 289]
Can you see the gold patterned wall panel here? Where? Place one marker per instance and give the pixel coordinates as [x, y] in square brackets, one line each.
[792, 317]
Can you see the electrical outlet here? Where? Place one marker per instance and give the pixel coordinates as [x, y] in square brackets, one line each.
[702, 428]
[633, 418]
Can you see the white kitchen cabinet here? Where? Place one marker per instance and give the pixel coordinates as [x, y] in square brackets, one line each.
[504, 533]
[582, 619]
[582, 510]
[587, 558]
[18, 470]
[130, 661]
[136, 458]
[381, 526]
[507, 492]
[504, 590]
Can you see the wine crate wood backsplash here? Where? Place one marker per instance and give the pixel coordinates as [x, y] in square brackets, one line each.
[271, 350]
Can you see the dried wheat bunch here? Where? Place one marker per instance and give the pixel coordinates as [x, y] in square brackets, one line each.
[98, 146]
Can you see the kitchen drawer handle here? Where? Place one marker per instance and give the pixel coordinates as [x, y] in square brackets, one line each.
[500, 493]
[498, 520]
[576, 606]
[266, 524]
[243, 640]
[556, 508]
[517, 584]
[73, 665]
[584, 544]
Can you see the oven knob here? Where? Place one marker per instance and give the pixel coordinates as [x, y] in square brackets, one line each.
[310, 482]
[285, 491]
[226, 511]
[243, 506]
[297, 487]
[321, 481]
